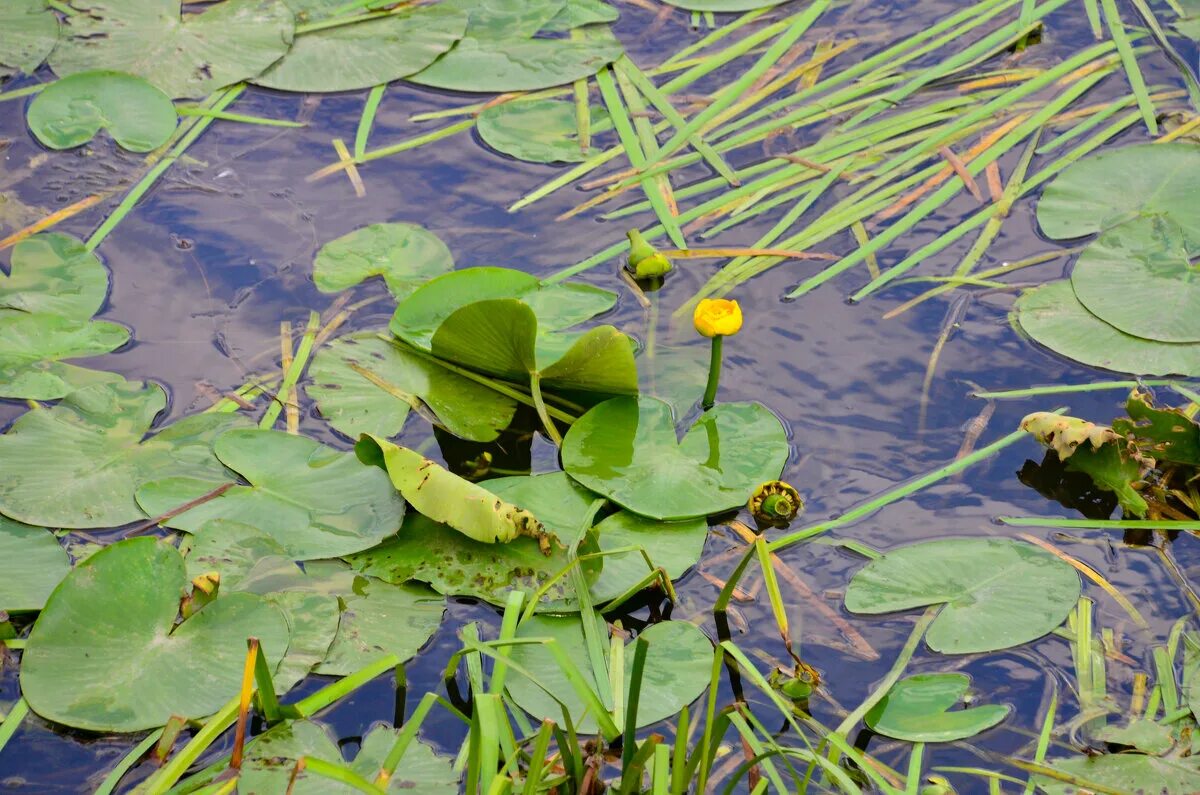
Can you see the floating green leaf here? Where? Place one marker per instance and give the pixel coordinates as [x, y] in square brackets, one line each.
[1165, 434]
[79, 464]
[405, 255]
[189, 55]
[1124, 773]
[1054, 317]
[576, 13]
[30, 365]
[106, 655]
[673, 546]
[363, 54]
[996, 593]
[32, 562]
[537, 131]
[1116, 186]
[1139, 278]
[626, 449]
[69, 112]
[454, 564]
[917, 709]
[516, 65]
[501, 337]
[54, 274]
[557, 306]
[316, 501]
[678, 667]
[378, 618]
[443, 496]
[1143, 734]
[363, 383]
[271, 760]
[30, 30]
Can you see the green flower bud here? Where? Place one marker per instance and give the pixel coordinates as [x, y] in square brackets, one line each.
[645, 262]
[775, 503]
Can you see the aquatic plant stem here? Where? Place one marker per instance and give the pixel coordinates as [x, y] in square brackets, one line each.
[12, 721]
[714, 374]
[539, 405]
[110, 782]
[220, 101]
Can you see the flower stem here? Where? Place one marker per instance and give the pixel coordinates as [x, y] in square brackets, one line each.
[714, 374]
[535, 389]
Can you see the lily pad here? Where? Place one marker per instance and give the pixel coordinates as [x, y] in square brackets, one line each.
[54, 274]
[1054, 317]
[677, 671]
[1165, 434]
[316, 501]
[507, 19]
[917, 709]
[30, 365]
[502, 337]
[537, 131]
[79, 463]
[186, 55]
[557, 306]
[106, 655]
[30, 31]
[454, 564]
[365, 384]
[69, 112]
[378, 618]
[365, 54]
[996, 593]
[1124, 773]
[405, 255]
[626, 449]
[673, 546]
[32, 562]
[271, 759]
[1143, 734]
[576, 13]
[1139, 278]
[1116, 186]
[485, 65]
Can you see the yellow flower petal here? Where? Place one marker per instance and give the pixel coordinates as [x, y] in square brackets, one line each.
[717, 317]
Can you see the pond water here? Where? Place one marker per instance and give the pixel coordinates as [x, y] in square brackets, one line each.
[220, 251]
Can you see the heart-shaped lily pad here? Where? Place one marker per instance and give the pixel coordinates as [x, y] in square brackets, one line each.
[79, 464]
[316, 501]
[67, 113]
[1139, 278]
[30, 365]
[626, 449]
[271, 757]
[1123, 773]
[189, 55]
[54, 274]
[454, 564]
[1054, 317]
[501, 337]
[917, 709]
[1119, 185]
[537, 131]
[32, 562]
[405, 255]
[30, 31]
[673, 546]
[678, 668]
[557, 306]
[363, 54]
[363, 383]
[996, 593]
[106, 655]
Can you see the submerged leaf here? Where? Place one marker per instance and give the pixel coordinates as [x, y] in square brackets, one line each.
[1124, 773]
[405, 255]
[105, 653]
[316, 501]
[677, 670]
[363, 383]
[189, 55]
[445, 497]
[516, 65]
[79, 464]
[626, 449]
[32, 562]
[366, 53]
[69, 112]
[30, 365]
[996, 593]
[537, 131]
[917, 709]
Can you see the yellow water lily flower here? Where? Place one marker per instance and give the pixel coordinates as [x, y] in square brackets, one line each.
[717, 317]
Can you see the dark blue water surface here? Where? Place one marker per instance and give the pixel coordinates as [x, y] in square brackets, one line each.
[220, 252]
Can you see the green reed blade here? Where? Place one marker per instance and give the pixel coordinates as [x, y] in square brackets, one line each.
[1059, 389]
[192, 110]
[342, 774]
[1116, 29]
[12, 721]
[367, 120]
[716, 35]
[1092, 9]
